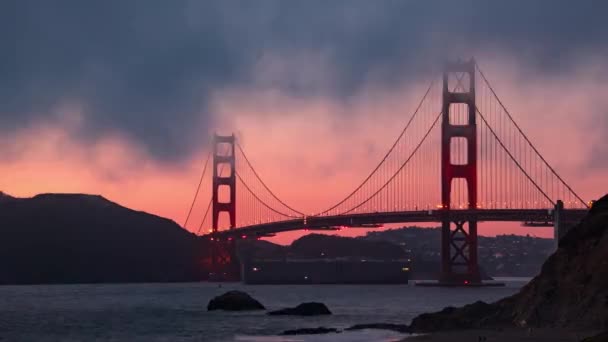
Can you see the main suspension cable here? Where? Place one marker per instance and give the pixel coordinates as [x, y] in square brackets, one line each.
[385, 156]
[400, 168]
[525, 136]
[198, 188]
[264, 184]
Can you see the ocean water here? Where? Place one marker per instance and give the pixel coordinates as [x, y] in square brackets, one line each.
[177, 312]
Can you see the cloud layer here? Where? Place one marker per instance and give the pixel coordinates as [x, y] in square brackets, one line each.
[147, 70]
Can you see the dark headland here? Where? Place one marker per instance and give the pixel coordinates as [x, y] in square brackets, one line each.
[75, 238]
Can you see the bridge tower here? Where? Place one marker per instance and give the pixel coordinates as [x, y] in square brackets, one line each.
[223, 163]
[459, 238]
[224, 261]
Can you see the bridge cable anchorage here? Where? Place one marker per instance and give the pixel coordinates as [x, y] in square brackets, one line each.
[513, 158]
[385, 156]
[198, 188]
[263, 183]
[260, 200]
[526, 137]
[398, 170]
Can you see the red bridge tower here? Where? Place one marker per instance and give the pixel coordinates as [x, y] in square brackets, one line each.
[459, 238]
[224, 261]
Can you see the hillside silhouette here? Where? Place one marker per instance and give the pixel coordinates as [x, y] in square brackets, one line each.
[76, 238]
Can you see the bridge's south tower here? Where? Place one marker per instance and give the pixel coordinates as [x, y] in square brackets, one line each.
[459, 134]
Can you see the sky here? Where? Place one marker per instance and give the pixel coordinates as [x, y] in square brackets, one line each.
[120, 97]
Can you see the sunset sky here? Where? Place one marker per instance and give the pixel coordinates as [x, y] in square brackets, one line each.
[120, 97]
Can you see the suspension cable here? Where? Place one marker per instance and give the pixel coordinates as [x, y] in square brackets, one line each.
[385, 156]
[198, 188]
[204, 217]
[513, 158]
[400, 168]
[526, 137]
[264, 184]
[259, 200]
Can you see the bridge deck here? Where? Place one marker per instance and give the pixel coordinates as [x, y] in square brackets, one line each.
[323, 222]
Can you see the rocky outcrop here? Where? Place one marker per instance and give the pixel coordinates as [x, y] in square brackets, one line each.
[304, 309]
[310, 331]
[402, 328]
[470, 316]
[234, 301]
[570, 291]
[602, 337]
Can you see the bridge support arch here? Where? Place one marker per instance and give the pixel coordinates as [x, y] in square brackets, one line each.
[459, 262]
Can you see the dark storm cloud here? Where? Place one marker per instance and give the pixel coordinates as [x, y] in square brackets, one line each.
[146, 68]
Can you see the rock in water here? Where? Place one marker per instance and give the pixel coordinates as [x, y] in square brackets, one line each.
[234, 301]
[402, 328]
[304, 309]
[310, 331]
[570, 291]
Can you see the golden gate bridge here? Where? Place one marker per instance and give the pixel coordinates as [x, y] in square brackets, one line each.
[460, 159]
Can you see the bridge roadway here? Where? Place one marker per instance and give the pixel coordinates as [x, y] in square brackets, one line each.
[534, 217]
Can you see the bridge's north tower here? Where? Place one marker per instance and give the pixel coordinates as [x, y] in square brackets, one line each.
[459, 238]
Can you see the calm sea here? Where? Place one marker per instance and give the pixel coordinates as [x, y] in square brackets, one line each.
[177, 312]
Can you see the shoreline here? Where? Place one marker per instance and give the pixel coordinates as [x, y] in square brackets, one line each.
[504, 335]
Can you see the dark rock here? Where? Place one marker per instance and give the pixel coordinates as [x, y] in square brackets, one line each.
[402, 328]
[470, 316]
[234, 301]
[570, 291]
[602, 337]
[310, 331]
[304, 309]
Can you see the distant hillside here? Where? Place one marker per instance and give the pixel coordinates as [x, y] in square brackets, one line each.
[69, 238]
[503, 255]
[315, 246]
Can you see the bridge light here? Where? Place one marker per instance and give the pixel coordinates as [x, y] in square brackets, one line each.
[244, 236]
[229, 239]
